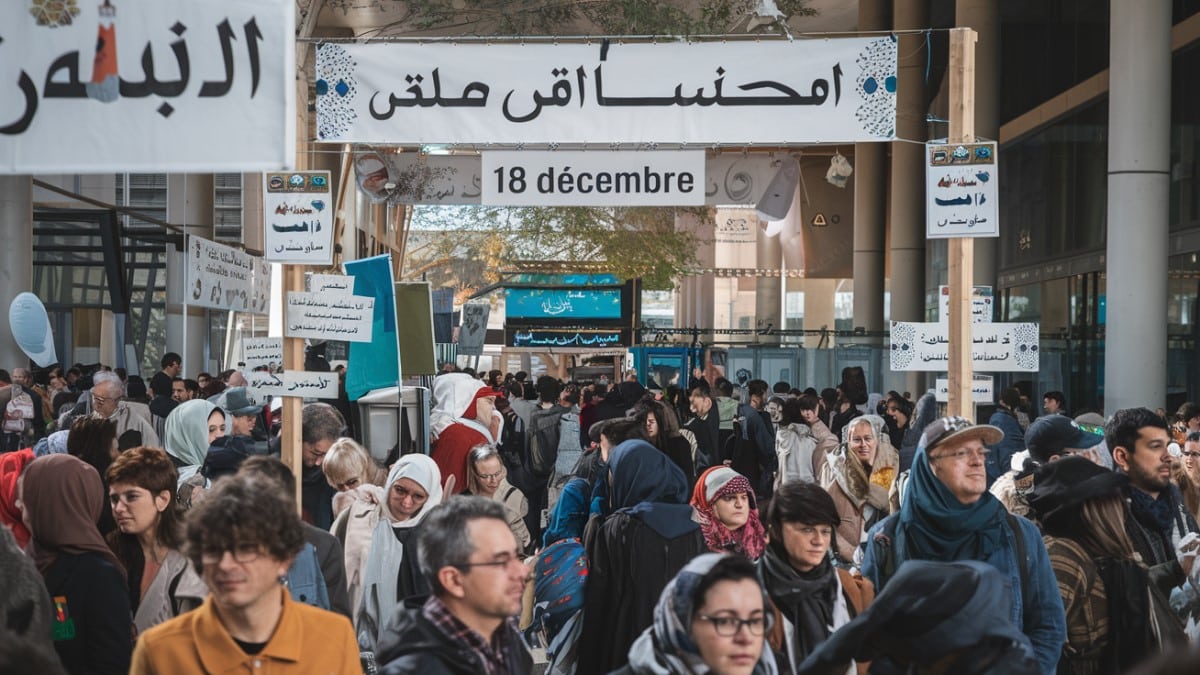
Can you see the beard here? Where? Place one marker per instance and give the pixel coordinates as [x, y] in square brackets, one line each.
[1148, 480]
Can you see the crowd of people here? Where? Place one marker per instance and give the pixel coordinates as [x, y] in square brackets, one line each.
[591, 528]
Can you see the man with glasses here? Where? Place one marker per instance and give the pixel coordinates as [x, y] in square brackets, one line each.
[470, 558]
[320, 425]
[243, 540]
[132, 428]
[948, 515]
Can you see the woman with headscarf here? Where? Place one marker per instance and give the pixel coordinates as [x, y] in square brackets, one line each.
[662, 430]
[647, 510]
[141, 489]
[1118, 614]
[711, 618]
[488, 477]
[190, 429]
[727, 511]
[92, 628]
[860, 475]
[810, 597]
[11, 466]
[391, 573]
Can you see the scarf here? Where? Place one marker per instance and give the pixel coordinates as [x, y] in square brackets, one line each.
[647, 485]
[934, 525]
[667, 647]
[186, 432]
[749, 539]
[11, 465]
[64, 497]
[1156, 513]
[812, 601]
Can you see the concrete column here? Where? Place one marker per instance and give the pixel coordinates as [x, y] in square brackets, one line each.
[768, 296]
[16, 259]
[907, 252]
[190, 202]
[695, 304]
[819, 309]
[984, 17]
[870, 203]
[1139, 133]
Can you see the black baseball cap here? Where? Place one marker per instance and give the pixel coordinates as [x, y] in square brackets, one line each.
[1050, 435]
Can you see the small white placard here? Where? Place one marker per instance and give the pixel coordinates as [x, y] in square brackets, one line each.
[301, 384]
[982, 390]
[324, 316]
[961, 197]
[981, 304]
[258, 352]
[668, 178]
[337, 284]
[298, 217]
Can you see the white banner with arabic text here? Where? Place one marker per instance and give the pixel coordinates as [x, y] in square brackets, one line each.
[996, 347]
[802, 91]
[146, 85]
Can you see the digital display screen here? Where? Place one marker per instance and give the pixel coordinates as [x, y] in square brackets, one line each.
[557, 303]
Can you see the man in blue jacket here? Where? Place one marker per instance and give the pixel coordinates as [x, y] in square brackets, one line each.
[949, 515]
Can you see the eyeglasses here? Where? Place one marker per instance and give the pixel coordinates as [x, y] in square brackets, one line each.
[242, 553]
[100, 400]
[1189, 453]
[491, 476]
[964, 453]
[728, 626]
[502, 560]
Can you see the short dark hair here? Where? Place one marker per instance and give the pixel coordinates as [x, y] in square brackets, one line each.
[192, 386]
[150, 469]
[1187, 411]
[91, 440]
[619, 429]
[321, 422]
[725, 387]
[1192, 437]
[809, 402]
[1011, 398]
[1126, 425]
[800, 501]
[757, 388]
[548, 389]
[515, 390]
[169, 359]
[444, 540]
[242, 510]
[5, 377]
[1057, 397]
[790, 414]
[271, 468]
[781, 387]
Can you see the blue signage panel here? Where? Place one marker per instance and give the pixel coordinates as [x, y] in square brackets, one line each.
[557, 303]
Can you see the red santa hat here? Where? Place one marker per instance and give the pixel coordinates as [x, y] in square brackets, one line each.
[484, 392]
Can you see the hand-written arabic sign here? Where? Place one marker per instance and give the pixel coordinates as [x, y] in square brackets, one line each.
[293, 383]
[337, 284]
[325, 316]
[220, 277]
[795, 91]
[258, 352]
[298, 218]
[147, 85]
[961, 197]
[983, 390]
[995, 346]
[981, 304]
[593, 178]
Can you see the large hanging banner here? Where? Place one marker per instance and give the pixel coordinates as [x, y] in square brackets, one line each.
[99, 86]
[221, 277]
[802, 91]
[995, 347]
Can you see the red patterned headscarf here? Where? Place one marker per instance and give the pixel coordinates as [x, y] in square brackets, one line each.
[11, 465]
[717, 482]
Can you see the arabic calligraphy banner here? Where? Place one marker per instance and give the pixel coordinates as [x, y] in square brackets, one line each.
[298, 218]
[961, 196]
[802, 91]
[995, 347]
[221, 277]
[146, 85]
[553, 338]
[558, 303]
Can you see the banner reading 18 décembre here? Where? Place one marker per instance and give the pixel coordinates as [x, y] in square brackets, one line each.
[593, 178]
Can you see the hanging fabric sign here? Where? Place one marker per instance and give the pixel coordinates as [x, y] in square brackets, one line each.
[820, 90]
[146, 85]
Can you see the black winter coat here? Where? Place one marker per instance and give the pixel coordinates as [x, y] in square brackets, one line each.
[414, 645]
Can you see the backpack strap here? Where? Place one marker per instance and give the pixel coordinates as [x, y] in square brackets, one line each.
[1022, 568]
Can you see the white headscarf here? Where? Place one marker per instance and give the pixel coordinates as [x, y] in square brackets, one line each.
[424, 471]
[453, 393]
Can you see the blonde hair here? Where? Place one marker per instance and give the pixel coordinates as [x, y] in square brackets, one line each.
[346, 459]
[482, 453]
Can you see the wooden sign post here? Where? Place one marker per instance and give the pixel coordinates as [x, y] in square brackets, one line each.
[961, 249]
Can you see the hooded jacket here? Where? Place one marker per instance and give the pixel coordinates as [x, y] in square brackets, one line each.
[861, 498]
[414, 645]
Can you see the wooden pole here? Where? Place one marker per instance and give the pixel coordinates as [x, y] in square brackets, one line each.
[961, 249]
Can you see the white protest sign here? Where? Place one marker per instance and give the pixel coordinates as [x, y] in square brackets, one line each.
[147, 86]
[262, 351]
[593, 178]
[981, 304]
[982, 390]
[961, 197]
[300, 384]
[776, 92]
[995, 347]
[220, 277]
[323, 316]
[337, 284]
[473, 333]
[298, 218]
